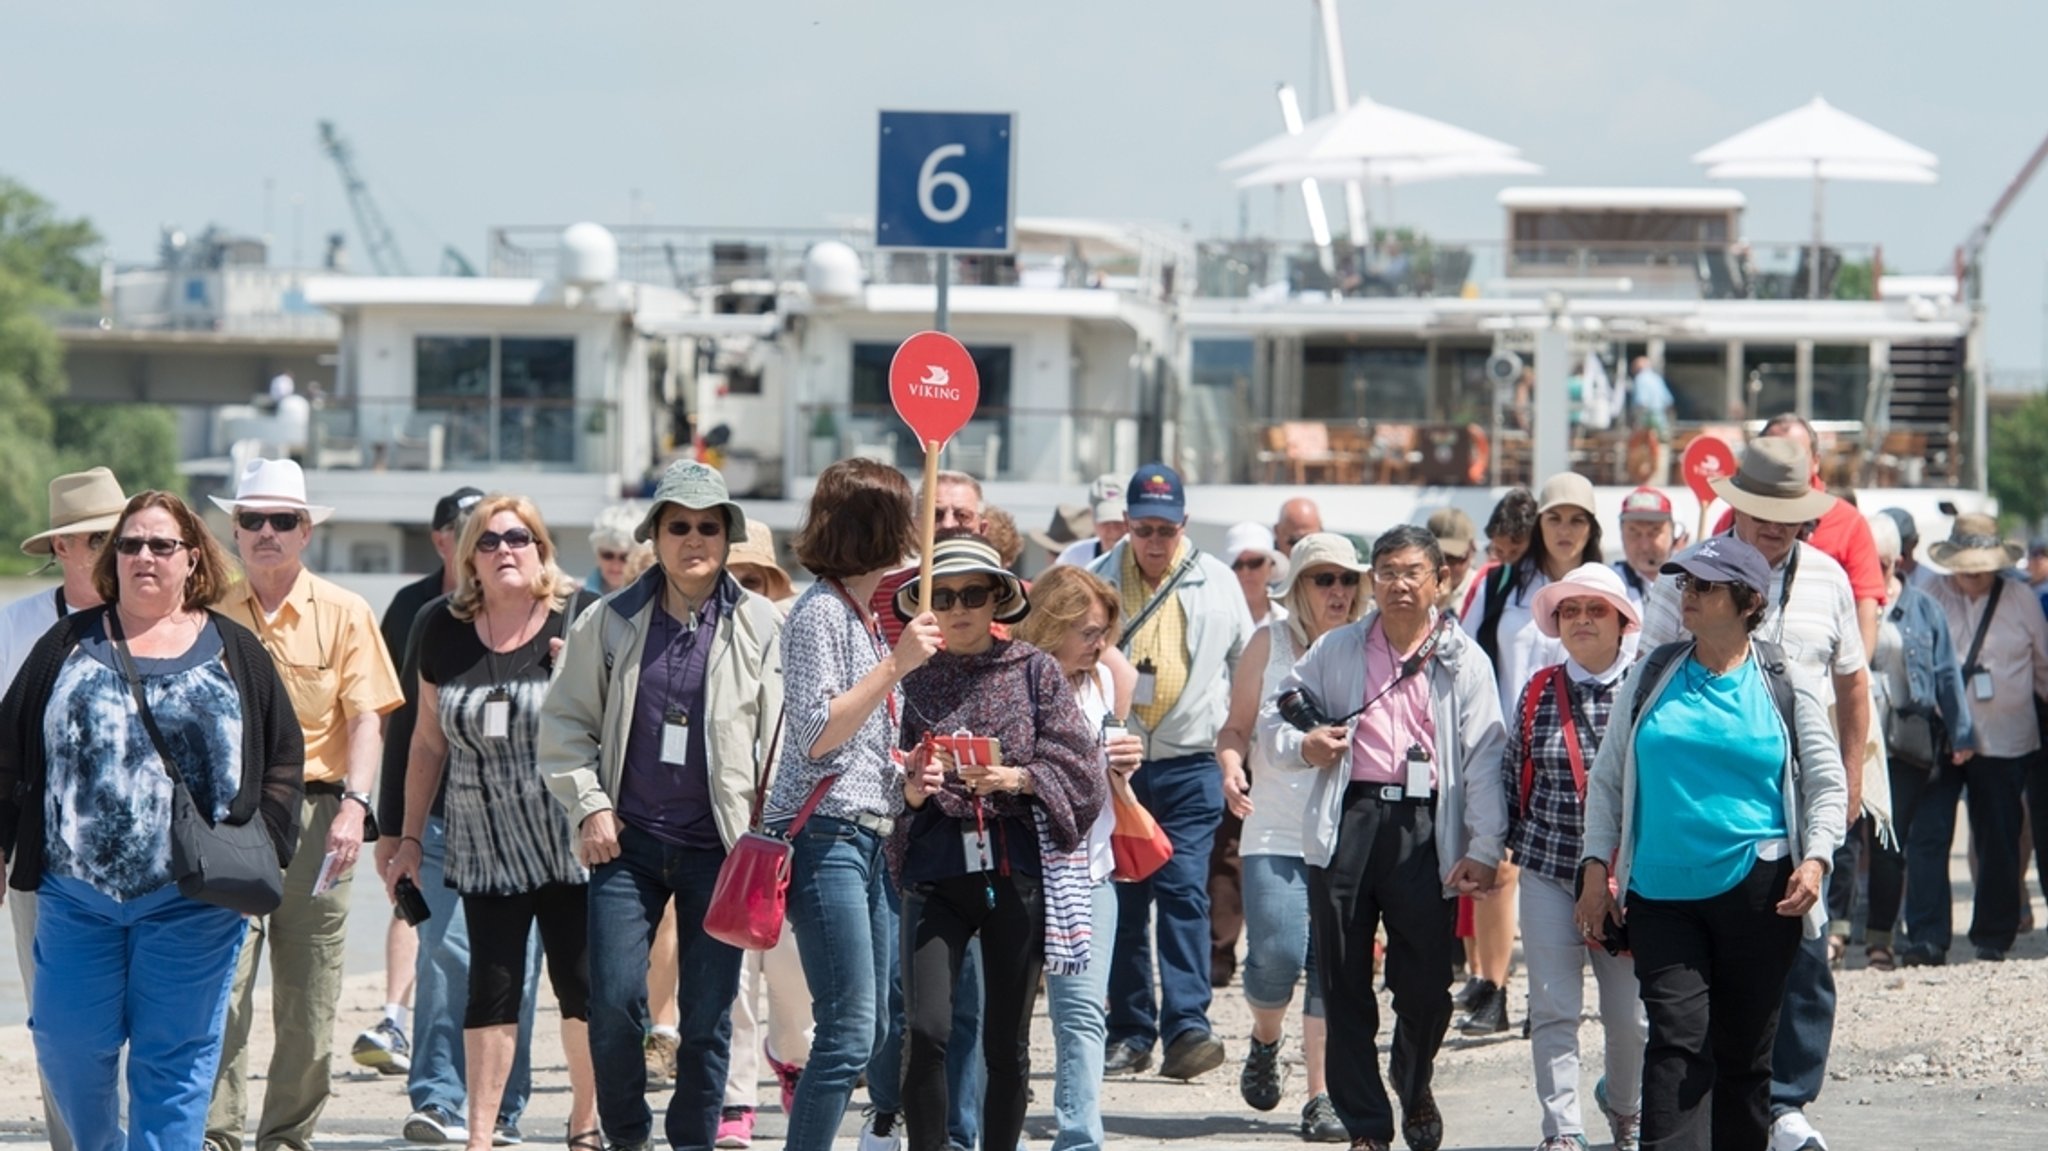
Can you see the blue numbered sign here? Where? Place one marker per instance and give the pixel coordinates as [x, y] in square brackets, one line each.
[946, 180]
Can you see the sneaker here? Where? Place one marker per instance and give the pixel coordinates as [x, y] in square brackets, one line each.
[660, 1052]
[786, 1075]
[1192, 1052]
[1626, 1129]
[1422, 1125]
[383, 1049]
[736, 1127]
[1259, 1082]
[1563, 1143]
[878, 1132]
[1791, 1132]
[433, 1124]
[506, 1134]
[1319, 1122]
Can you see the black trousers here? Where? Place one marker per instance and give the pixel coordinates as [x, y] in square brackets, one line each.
[1712, 973]
[938, 920]
[498, 927]
[1888, 864]
[1384, 868]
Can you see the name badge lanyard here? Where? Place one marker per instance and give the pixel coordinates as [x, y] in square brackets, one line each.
[1980, 676]
[675, 719]
[498, 704]
[1417, 761]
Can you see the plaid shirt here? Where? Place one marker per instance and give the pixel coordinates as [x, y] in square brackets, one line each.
[1548, 838]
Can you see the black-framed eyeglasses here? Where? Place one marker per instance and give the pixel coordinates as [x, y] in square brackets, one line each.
[159, 546]
[971, 598]
[681, 529]
[1328, 580]
[514, 538]
[280, 522]
[1250, 565]
[1687, 582]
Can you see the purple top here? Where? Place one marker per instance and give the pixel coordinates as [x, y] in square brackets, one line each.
[672, 802]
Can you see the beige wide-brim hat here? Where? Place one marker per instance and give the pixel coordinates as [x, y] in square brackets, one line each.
[81, 503]
[1069, 525]
[1974, 545]
[965, 555]
[1317, 549]
[1586, 580]
[272, 486]
[757, 548]
[1774, 483]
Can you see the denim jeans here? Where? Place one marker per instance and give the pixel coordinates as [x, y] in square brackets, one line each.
[839, 909]
[1806, 1026]
[966, 1074]
[628, 897]
[1185, 794]
[152, 974]
[1993, 799]
[1080, 1028]
[1278, 954]
[440, 997]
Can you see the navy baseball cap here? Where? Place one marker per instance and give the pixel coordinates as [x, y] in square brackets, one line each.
[1722, 559]
[1156, 493]
[449, 509]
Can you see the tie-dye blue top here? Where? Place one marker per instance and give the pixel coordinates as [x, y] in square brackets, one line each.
[107, 808]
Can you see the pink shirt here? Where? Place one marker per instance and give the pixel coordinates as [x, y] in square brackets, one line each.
[1380, 738]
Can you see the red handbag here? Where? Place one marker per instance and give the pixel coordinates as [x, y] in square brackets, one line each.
[1137, 844]
[751, 898]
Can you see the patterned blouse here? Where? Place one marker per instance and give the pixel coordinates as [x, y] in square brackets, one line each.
[107, 807]
[826, 649]
[506, 833]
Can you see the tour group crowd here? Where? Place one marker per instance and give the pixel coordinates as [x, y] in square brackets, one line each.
[1390, 761]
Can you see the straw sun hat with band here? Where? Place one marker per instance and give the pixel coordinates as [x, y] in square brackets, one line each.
[969, 555]
[1974, 545]
[1774, 483]
[757, 549]
[81, 504]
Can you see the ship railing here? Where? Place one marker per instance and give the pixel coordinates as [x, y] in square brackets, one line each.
[446, 433]
[1001, 443]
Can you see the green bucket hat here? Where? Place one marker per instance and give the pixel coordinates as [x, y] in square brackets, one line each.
[696, 486]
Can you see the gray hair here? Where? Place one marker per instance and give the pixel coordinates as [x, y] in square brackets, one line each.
[1884, 532]
[614, 527]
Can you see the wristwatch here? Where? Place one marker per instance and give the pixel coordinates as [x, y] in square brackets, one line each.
[362, 797]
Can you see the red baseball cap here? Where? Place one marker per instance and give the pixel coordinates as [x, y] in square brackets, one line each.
[1646, 504]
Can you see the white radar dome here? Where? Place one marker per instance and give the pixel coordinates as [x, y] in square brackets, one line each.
[589, 255]
[832, 271]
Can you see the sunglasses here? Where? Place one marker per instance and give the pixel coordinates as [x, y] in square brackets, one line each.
[280, 522]
[158, 546]
[1572, 609]
[1327, 580]
[515, 539]
[612, 557]
[971, 598]
[1687, 583]
[1250, 565]
[682, 528]
[1155, 531]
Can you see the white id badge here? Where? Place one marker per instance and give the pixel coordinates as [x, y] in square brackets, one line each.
[675, 738]
[971, 848]
[497, 716]
[1141, 695]
[1980, 686]
[1418, 774]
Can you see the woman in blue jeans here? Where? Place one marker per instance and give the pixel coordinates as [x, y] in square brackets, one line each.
[838, 763]
[123, 957]
[1323, 590]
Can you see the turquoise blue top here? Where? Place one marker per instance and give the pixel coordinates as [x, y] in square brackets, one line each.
[1710, 782]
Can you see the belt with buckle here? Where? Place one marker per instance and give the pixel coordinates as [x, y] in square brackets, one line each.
[881, 825]
[1395, 793]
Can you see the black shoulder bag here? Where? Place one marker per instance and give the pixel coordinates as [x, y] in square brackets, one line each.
[231, 865]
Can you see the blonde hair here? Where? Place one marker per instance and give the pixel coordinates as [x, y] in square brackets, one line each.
[553, 585]
[1299, 606]
[1060, 599]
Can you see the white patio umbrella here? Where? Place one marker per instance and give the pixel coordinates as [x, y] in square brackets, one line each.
[1818, 142]
[1369, 131]
[1388, 172]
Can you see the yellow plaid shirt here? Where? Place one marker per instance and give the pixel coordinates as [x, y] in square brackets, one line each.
[1162, 640]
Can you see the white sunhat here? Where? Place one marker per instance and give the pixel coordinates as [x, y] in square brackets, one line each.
[272, 486]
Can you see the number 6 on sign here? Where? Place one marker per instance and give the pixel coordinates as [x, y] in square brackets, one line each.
[930, 179]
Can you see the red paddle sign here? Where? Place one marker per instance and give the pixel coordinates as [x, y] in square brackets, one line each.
[1707, 458]
[934, 386]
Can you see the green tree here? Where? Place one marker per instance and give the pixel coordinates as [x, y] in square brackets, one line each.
[47, 253]
[2019, 458]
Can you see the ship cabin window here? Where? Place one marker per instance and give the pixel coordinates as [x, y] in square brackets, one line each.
[871, 425]
[500, 401]
[1342, 382]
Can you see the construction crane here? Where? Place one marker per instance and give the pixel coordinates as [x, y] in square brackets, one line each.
[1970, 254]
[377, 239]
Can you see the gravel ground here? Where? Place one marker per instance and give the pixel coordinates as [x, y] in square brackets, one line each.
[1926, 1058]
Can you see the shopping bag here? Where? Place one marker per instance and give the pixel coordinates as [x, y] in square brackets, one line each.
[1137, 843]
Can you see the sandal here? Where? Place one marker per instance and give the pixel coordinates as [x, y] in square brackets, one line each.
[591, 1140]
[1880, 957]
[1838, 946]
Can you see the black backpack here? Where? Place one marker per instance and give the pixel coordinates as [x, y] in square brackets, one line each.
[1770, 661]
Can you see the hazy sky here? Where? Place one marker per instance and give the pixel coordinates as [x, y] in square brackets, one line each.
[762, 112]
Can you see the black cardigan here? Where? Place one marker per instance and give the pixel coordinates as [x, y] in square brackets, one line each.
[273, 747]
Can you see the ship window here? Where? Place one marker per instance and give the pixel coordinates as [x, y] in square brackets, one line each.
[872, 417]
[502, 402]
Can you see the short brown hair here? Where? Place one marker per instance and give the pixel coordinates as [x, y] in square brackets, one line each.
[553, 585]
[858, 521]
[1060, 599]
[209, 579]
[1001, 531]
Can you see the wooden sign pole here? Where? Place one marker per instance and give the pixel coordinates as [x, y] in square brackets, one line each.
[928, 520]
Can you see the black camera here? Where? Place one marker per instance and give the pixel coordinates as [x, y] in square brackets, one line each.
[407, 902]
[1301, 711]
